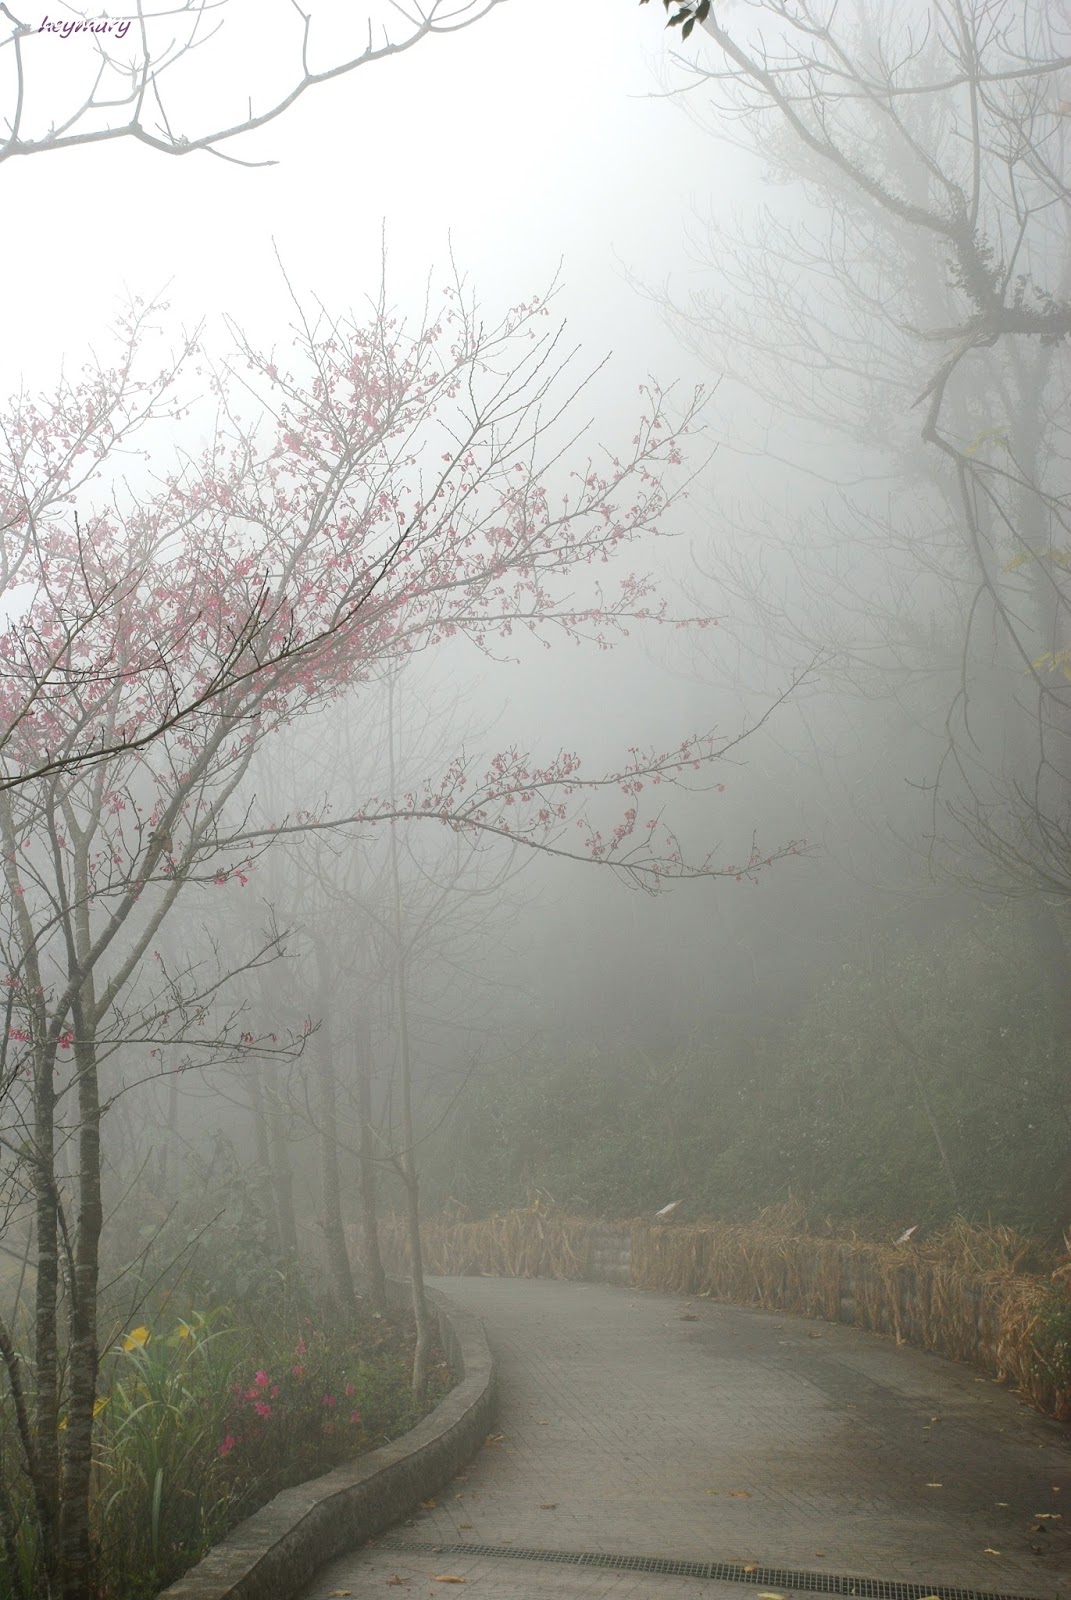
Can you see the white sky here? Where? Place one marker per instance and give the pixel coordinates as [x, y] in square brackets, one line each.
[539, 135]
[528, 138]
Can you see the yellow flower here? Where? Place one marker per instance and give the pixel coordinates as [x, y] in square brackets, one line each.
[136, 1339]
[185, 1331]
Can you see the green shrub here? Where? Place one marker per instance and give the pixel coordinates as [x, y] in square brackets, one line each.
[202, 1418]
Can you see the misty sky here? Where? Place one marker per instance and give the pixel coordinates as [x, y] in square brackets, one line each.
[535, 136]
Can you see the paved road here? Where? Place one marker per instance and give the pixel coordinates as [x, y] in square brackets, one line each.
[639, 1424]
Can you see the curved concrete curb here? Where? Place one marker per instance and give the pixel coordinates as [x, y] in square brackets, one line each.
[276, 1551]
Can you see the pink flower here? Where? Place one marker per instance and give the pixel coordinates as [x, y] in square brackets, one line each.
[251, 1394]
[329, 1400]
[355, 1416]
[262, 1408]
[228, 1445]
[261, 1379]
[350, 1390]
[297, 1372]
[275, 1391]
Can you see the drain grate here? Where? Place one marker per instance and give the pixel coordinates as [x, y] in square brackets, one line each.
[713, 1571]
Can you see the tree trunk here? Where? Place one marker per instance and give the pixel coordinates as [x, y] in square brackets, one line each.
[374, 1274]
[84, 1351]
[46, 1318]
[1051, 951]
[338, 1259]
[263, 1150]
[422, 1353]
[282, 1179]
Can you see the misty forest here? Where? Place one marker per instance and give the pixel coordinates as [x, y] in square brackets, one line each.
[535, 708]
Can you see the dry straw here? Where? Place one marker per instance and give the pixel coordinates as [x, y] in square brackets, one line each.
[984, 1296]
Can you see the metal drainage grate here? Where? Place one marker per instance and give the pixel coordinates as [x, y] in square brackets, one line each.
[713, 1571]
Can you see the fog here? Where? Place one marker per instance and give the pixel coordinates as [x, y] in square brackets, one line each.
[536, 668]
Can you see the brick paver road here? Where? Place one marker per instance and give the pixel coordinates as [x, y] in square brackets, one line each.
[640, 1424]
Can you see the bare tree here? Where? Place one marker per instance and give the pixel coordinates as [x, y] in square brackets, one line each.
[905, 307]
[119, 93]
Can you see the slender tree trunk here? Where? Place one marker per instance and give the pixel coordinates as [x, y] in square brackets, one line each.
[338, 1257]
[84, 1355]
[263, 1154]
[42, 1452]
[282, 1178]
[422, 1353]
[1052, 957]
[46, 1319]
[376, 1278]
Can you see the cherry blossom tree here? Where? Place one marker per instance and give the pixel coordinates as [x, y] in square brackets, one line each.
[398, 486]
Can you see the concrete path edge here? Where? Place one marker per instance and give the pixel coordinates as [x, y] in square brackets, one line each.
[270, 1555]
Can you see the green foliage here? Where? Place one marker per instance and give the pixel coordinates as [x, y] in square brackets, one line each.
[685, 16]
[950, 1045]
[202, 1418]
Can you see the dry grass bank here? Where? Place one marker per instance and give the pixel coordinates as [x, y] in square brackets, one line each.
[983, 1296]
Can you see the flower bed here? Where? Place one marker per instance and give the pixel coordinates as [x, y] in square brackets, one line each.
[202, 1419]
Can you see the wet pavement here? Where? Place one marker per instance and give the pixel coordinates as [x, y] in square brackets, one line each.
[635, 1424]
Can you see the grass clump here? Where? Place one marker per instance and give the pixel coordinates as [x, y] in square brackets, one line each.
[201, 1418]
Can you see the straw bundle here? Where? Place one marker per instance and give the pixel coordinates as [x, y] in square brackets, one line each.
[519, 1244]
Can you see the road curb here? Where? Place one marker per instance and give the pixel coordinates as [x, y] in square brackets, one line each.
[274, 1553]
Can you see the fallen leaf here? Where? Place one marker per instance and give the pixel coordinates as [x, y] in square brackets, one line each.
[1049, 1516]
[464, 1524]
[740, 1494]
[935, 1486]
[711, 1491]
[767, 1594]
[428, 1505]
[990, 1552]
[549, 1505]
[336, 1594]
[816, 1336]
[820, 1554]
[1003, 1503]
[494, 1438]
[395, 1580]
[445, 1577]
[751, 1566]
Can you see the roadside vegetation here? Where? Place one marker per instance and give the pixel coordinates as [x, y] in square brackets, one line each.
[204, 1414]
[922, 1081]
